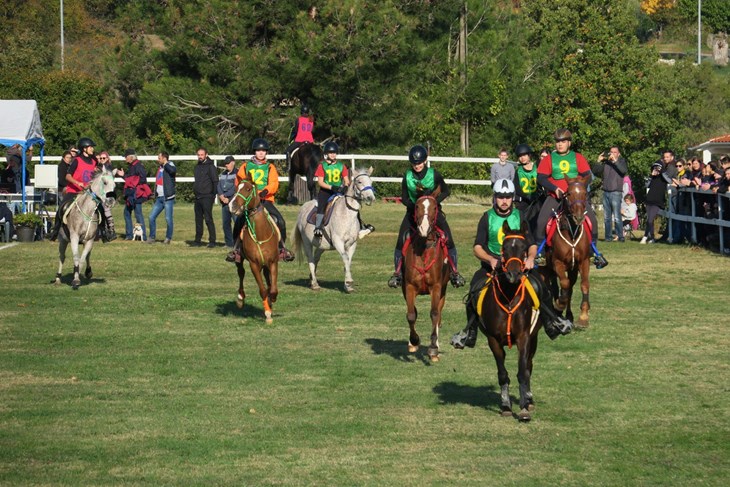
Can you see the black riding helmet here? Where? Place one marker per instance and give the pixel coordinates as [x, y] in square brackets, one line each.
[85, 142]
[331, 147]
[260, 144]
[523, 149]
[305, 110]
[418, 154]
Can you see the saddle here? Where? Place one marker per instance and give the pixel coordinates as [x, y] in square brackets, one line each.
[552, 226]
[441, 240]
[312, 215]
[479, 290]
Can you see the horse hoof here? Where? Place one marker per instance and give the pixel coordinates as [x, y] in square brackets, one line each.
[88, 274]
[434, 358]
[239, 303]
[412, 348]
[530, 407]
[506, 413]
[524, 415]
[581, 325]
[269, 319]
[349, 288]
[75, 285]
[315, 287]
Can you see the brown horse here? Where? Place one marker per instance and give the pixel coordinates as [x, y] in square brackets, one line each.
[570, 252]
[425, 271]
[259, 243]
[505, 307]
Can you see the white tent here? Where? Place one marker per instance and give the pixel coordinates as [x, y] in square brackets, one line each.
[20, 123]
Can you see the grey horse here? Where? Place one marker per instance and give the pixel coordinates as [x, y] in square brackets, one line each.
[81, 222]
[342, 231]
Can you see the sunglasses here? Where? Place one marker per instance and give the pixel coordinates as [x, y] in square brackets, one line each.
[680, 165]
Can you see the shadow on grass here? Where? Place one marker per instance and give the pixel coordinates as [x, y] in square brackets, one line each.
[67, 280]
[331, 285]
[398, 349]
[486, 397]
[229, 308]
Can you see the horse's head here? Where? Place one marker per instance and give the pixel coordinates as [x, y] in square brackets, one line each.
[101, 187]
[362, 186]
[427, 210]
[514, 252]
[576, 198]
[246, 198]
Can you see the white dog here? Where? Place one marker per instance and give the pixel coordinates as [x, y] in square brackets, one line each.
[137, 232]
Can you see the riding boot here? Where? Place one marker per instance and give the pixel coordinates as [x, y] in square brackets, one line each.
[235, 254]
[318, 225]
[284, 253]
[598, 259]
[457, 280]
[365, 228]
[468, 336]
[396, 279]
[53, 235]
[554, 324]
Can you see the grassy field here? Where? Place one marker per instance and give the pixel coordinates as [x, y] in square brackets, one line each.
[150, 375]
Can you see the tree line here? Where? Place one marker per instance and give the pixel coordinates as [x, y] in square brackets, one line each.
[379, 76]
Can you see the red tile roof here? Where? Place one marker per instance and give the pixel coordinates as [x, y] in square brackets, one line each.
[721, 139]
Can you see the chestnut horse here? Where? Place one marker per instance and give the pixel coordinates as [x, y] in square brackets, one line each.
[259, 244]
[303, 161]
[506, 315]
[570, 252]
[425, 271]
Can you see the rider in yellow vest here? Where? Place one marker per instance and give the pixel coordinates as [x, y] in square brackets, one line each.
[488, 249]
[265, 177]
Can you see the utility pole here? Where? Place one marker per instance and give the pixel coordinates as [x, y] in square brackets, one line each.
[61, 35]
[462, 61]
[699, 32]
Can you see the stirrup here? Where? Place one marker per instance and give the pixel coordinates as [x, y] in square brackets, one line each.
[457, 280]
[395, 280]
[600, 261]
[234, 256]
[318, 232]
[286, 255]
[558, 326]
[540, 260]
[465, 338]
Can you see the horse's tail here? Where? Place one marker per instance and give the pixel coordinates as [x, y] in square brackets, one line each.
[297, 242]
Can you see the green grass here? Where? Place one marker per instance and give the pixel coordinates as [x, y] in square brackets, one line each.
[150, 374]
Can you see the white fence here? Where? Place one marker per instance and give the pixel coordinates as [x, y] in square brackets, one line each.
[360, 159]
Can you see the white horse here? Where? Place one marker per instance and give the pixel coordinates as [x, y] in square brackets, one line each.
[341, 232]
[81, 222]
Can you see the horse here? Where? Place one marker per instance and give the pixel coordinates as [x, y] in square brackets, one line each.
[425, 271]
[81, 221]
[570, 251]
[507, 315]
[340, 232]
[259, 245]
[303, 161]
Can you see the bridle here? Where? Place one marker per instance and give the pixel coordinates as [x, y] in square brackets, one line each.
[518, 259]
[358, 192]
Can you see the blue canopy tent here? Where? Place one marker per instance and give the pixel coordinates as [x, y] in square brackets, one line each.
[20, 123]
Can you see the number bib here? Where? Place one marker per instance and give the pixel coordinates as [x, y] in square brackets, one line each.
[564, 166]
[258, 173]
[496, 233]
[413, 184]
[333, 173]
[527, 180]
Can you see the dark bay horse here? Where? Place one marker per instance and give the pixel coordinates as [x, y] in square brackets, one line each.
[507, 315]
[425, 271]
[304, 162]
[259, 244]
[570, 252]
[80, 223]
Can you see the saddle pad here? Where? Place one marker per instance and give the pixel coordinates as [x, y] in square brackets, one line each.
[312, 215]
[552, 225]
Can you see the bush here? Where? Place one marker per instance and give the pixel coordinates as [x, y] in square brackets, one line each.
[27, 220]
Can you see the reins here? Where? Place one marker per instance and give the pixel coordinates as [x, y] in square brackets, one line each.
[577, 232]
[510, 308]
[250, 224]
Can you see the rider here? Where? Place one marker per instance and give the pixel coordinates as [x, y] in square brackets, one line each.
[552, 174]
[301, 133]
[528, 195]
[79, 173]
[333, 177]
[264, 176]
[488, 249]
[421, 180]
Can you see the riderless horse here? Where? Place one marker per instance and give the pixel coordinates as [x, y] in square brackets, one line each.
[259, 245]
[303, 161]
[425, 271]
[570, 251]
[80, 221]
[507, 307]
[341, 229]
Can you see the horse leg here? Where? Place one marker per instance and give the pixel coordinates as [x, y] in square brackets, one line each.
[585, 304]
[524, 372]
[241, 298]
[263, 291]
[438, 298]
[411, 315]
[346, 255]
[563, 300]
[62, 244]
[310, 182]
[312, 259]
[502, 375]
[88, 273]
[77, 262]
[272, 273]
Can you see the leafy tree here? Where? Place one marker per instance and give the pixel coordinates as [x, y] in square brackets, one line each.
[715, 13]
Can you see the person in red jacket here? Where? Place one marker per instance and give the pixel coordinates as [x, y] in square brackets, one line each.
[552, 174]
[301, 133]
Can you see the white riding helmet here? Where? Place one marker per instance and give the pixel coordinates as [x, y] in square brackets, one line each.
[504, 188]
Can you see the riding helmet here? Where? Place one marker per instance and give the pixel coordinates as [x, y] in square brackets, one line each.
[504, 188]
[418, 154]
[562, 134]
[523, 149]
[305, 110]
[331, 147]
[85, 142]
[260, 144]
